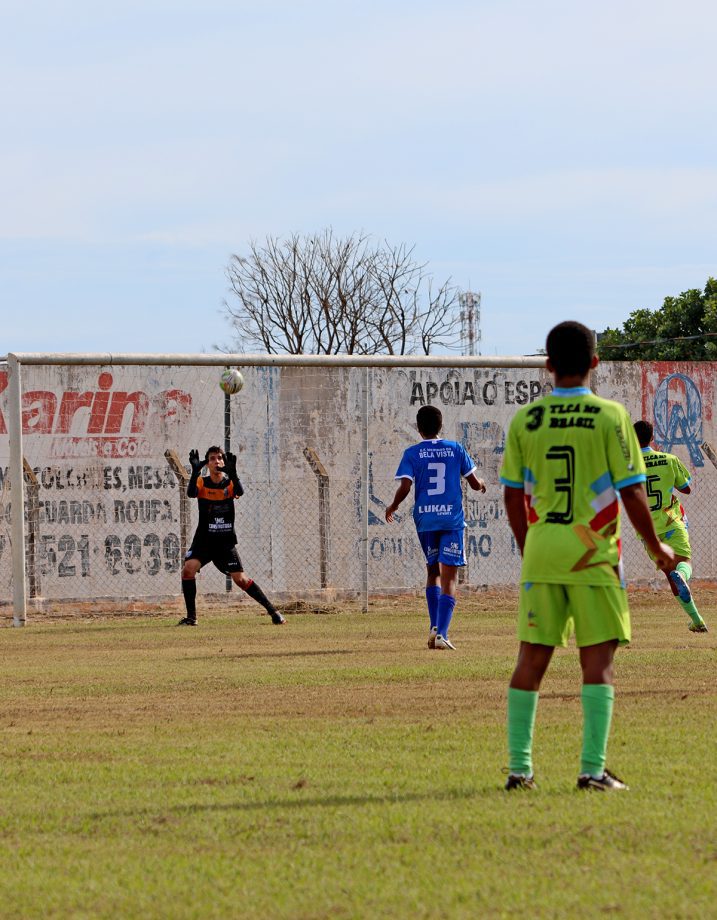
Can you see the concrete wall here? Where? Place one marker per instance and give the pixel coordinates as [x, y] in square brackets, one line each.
[107, 521]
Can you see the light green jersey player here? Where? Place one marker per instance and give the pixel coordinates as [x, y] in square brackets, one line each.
[665, 473]
[567, 456]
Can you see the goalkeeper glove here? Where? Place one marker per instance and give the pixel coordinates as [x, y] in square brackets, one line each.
[195, 462]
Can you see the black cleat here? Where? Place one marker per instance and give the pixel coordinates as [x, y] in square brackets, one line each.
[608, 782]
[520, 781]
[276, 618]
[186, 621]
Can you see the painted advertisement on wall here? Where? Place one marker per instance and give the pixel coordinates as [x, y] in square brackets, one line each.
[104, 508]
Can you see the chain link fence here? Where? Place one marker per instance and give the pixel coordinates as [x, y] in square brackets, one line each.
[105, 463]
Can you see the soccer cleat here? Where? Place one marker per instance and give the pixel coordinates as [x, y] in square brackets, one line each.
[186, 621]
[608, 782]
[700, 627]
[276, 618]
[520, 781]
[443, 642]
[683, 589]
[432, 637]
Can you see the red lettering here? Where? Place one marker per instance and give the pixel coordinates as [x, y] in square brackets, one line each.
[38, 411]
[100, 412]
[71, 403]
[120, 401]
[174, 405]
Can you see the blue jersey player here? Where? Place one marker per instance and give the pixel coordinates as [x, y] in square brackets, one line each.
[435, 466]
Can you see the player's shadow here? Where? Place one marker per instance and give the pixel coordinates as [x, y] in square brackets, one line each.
[331, 801]
[308, 653]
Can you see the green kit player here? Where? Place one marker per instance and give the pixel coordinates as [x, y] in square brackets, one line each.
[567, 456]
[665, 473]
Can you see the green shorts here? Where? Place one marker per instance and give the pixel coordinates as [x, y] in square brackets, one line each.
[677, 538]
[549, 613]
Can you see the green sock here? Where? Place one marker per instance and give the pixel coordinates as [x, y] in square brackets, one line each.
[522, 705]
[597, 714]
[685, 570]
[690, 608]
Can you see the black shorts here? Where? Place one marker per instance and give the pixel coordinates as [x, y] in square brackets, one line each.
[224, 556]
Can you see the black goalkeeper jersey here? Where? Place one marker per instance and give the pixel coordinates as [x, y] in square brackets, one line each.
[216, 509]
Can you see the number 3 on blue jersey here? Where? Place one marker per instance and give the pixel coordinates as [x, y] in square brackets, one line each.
[438, 480]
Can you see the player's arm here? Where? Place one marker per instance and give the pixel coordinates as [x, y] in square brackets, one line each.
[514, 500]
[402, 491]
[230, 468]
[683, 479]
[197, 465]
[512, 476]
[475, 483]
[634, 498]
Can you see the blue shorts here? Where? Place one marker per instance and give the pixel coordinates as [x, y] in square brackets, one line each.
[444, 546]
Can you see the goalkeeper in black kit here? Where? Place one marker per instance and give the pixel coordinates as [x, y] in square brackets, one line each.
[215, 539]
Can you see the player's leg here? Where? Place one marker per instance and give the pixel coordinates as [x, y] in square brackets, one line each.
[232, 566]
[429, 544]
[189, 589]
[598, 695]
[446, 604]
[543, 624]
[450, 558]
[533, 661]
[602, 622]
[433, 592]
[679, 579]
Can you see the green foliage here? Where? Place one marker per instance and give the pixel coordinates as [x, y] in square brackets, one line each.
[692, 313]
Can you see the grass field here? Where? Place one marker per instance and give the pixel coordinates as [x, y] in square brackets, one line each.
[336, 768]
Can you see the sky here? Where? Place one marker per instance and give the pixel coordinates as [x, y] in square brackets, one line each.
[558, 157]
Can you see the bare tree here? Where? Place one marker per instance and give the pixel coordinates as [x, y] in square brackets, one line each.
[324, 294]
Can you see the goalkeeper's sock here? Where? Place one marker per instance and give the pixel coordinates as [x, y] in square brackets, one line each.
[446, 603]
[433, 592]
[189, 590]
[254, 591]
[597, 702]
[522, 706]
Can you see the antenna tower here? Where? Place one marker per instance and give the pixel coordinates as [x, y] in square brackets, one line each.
[470, 322]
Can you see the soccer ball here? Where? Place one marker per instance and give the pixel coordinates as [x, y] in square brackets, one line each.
[231, 381]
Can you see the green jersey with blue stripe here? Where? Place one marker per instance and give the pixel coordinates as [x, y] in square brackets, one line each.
[665, 472]
[571, 453]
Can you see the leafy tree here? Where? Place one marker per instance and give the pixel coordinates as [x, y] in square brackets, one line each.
[684, 328]
[324, 294]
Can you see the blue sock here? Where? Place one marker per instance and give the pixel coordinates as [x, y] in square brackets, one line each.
[446, 603]
[433, 592]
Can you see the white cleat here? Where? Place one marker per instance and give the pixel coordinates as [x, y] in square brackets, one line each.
[444, 642]
[432, 637]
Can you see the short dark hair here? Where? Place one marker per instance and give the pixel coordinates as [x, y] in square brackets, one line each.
[644, 431]
[429, 420]
[213, 450]
[570, 347]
